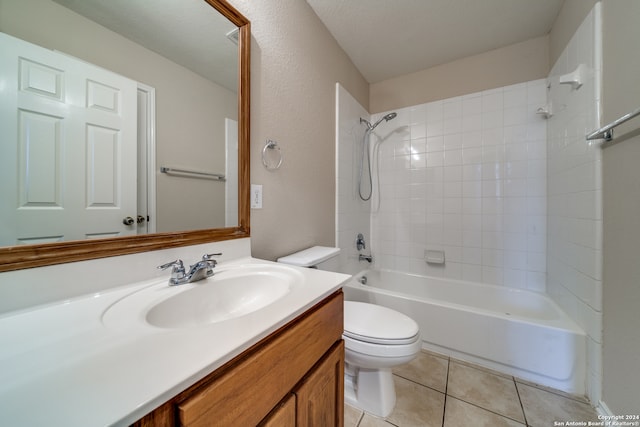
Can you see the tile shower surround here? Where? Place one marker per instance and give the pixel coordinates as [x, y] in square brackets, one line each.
[466, 175]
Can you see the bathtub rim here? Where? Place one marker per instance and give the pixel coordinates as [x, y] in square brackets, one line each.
[567, 323]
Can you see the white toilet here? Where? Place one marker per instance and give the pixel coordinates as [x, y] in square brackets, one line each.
[376, 339]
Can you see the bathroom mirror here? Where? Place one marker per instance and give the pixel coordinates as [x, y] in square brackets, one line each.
[179, 233]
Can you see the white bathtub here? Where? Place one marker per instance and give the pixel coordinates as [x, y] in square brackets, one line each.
[517, 332]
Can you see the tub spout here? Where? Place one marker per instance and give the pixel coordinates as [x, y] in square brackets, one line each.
[367, 258]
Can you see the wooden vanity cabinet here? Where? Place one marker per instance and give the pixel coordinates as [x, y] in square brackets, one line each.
[294, 377]
[320, 396]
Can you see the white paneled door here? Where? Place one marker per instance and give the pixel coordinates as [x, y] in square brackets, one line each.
[68, 147]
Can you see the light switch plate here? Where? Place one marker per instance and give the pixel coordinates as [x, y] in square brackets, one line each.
[256, 196]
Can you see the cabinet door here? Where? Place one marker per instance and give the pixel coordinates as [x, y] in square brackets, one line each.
[320, 397]
[283, 416]
[252, 386]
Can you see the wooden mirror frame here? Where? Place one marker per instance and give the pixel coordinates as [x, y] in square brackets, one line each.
[20, 257]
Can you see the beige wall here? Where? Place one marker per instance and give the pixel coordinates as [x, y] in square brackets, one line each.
[569, 19]
[200, 125]
[621, 176]
[295, 64]
[512, 64]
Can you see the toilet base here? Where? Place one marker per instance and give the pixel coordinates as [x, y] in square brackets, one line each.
[371, 390]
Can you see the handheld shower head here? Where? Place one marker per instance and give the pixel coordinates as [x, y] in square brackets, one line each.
[365, 153]
[387, 117]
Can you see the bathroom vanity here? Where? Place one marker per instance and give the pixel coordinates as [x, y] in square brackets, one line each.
[109, 342]
[294, 377]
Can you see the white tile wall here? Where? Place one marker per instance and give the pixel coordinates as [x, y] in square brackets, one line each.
[466, 175]
[574, 258]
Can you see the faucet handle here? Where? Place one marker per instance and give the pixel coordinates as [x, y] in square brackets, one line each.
[177, 264]
[212, 262]
[178, 268]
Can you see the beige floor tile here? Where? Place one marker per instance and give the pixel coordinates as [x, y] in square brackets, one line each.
[371, 421]
[351, 416]
[495, 393]
[416, 405]
[582, 399]
[458, 413]
[542, 408]
[482, 368]
[426, 369]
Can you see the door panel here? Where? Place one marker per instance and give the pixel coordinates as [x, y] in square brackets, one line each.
[39, 170]
[69, 141]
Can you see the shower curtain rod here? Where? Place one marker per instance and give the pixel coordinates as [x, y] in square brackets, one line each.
[606, 132]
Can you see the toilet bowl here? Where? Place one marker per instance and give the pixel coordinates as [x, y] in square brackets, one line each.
[376, 340]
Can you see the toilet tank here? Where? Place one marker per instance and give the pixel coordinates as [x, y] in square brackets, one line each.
[320, 257]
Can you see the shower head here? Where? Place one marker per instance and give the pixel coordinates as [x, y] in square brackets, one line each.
[387, 117]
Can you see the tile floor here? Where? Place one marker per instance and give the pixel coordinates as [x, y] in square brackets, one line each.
[436, 391]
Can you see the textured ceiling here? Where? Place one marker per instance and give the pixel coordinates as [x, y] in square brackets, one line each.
[389, 38]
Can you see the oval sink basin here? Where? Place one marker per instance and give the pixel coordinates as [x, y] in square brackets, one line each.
[218, 300]
[230, 293]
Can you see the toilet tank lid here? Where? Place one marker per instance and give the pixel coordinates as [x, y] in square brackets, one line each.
[311, 256]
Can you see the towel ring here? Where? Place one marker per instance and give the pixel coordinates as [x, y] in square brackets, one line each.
[271, 145]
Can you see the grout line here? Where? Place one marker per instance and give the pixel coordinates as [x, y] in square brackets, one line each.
[515, 383]
[420, 384]
[360, 419]
[444, 410]
[446, 390]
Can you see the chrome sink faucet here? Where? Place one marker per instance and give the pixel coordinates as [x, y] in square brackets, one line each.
[198, 271]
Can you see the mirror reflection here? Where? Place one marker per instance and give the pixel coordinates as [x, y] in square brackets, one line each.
[99, 97]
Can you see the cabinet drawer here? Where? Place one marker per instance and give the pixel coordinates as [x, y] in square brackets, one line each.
[250, 388]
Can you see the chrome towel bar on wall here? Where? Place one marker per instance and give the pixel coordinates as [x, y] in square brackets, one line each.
[606, 132]
[193, 174]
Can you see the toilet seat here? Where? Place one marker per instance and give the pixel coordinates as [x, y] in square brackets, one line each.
[376, 324]
[375, 340]
[382, 350]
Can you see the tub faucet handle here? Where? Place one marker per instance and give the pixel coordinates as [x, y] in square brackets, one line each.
[367, 258]
[360, 244]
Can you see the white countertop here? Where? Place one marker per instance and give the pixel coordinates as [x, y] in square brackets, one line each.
[61, 364]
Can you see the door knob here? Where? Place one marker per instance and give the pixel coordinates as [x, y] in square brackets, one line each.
[128, 221]
[140, 219]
